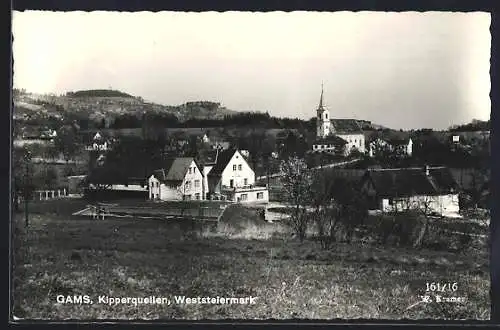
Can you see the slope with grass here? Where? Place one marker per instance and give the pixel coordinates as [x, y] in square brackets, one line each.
[140, 258]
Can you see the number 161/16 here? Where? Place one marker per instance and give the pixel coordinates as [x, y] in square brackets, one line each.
[441, 287]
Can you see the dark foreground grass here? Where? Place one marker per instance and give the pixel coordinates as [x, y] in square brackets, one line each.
[140, 258]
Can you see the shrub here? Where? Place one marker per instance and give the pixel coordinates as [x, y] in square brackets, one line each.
[397, 228]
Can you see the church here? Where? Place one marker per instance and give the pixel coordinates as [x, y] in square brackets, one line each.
[336, 134]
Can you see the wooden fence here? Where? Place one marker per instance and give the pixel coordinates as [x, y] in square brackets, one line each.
[43, 195]
[100, 211]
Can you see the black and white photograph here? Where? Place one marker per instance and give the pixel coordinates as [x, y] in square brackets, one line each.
[191, 166]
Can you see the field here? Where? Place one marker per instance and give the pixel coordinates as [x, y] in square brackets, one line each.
[64, 255]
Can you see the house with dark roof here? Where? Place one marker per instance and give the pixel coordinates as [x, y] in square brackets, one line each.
[432, 189]
[179, 178]
[232, 178]
[119, 186]
[331, 144]
[397, 142]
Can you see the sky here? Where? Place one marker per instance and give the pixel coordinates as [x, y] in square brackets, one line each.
[401, 70]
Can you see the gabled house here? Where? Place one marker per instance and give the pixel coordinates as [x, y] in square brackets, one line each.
[100, 143]
[215, 140]
[397, 189]
[179, 179]
[232, 178]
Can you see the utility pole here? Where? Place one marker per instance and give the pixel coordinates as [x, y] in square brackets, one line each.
[27, 186]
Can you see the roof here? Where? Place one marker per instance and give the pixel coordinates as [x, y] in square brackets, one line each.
[391, 137]
[346, 126]
[209, 156]
[331, 139]
[174, 169]
[222, 161]
[403, 182]
[398, 138]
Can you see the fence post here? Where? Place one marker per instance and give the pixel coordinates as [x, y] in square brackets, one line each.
[46, 195]
[64, 191]
[58, 193]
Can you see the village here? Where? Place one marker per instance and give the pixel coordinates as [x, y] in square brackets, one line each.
[211, 164]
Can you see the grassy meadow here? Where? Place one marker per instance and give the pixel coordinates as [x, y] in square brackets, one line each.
[64, 255]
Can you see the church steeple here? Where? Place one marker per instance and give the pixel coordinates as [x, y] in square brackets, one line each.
[323, 124]
[321, 98]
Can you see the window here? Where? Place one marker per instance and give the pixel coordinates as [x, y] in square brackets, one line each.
[152, 184]
[239, 167]
[187, 185]
[197, 183]
[245, 181]
[197, 196]
[234, 167]
[244, 197]
[189, 170]
[260, 195]
[157, 184]
[231, 183]
[194, 170]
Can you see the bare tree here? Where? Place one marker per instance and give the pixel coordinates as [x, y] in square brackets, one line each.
[297, 179]
[424, 206]
[325, 209]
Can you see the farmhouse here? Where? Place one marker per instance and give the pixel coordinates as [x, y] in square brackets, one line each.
[180, 179]
[232, 178]
[347, 129]
[430, 189]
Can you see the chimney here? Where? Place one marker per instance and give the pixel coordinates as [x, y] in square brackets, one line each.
[426, 170]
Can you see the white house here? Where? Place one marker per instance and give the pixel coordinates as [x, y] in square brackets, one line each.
[400, 145]
[330, 144]
[233, 179]
[398, 189]
[180, 179]
[99, 143]
[346, 129]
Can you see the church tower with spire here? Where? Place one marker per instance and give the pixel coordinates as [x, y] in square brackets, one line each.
[323, 123]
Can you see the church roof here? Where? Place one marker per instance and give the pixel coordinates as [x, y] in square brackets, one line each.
[346, 126]
[330, 139]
